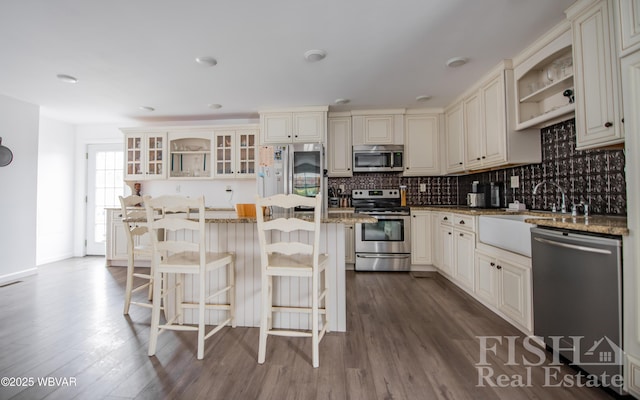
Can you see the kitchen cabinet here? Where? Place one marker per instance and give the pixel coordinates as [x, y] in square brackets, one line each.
[421, 144]
[305, 125]
[488, 135]
[628, 12]
[464, 262]
[377, 127]
[235, 153]
[349, 244]
[505, 285]
[339, 146]
[542, 79]
[454, 139]
[445, 249]
[599, 120]
[145, 155]
[190, 155]
[421, 238]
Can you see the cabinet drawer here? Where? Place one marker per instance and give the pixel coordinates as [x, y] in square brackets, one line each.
[446, 218]
[464, 222]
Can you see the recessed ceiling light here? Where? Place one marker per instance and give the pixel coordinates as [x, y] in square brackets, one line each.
[423, 98]
[342, 101]
[315, 55]
[67, 78]
[456, 62]
[147, 108]
[206, 61]
[215, 106]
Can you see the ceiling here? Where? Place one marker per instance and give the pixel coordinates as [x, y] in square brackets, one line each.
[127, 54]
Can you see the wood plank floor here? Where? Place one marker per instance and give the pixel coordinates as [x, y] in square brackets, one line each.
[408, 338]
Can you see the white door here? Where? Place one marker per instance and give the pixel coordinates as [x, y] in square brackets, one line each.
[105, 182]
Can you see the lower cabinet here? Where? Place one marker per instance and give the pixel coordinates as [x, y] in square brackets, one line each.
[464, 243]
[505, 285]
[421, 238]
[350, 244]
[445, 249]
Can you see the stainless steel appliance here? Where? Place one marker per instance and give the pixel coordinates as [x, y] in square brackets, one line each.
[378, 158]
[476, 200]
[384, 245]
[292, 168]
[577, 291]
[485, 195]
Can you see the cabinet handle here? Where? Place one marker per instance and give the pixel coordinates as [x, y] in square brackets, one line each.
[478, 158]
[461, 222]
[407, 167]
[348, 169]
[289, 136]
[462, 234]
[493, 264]
[623, 120]
[608, 124]
[449, 233]
[414, 216]
[483, 157]
[460, 163]
[445, 219]
[499, 267]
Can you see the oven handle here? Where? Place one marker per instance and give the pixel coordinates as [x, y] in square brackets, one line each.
[384, 256]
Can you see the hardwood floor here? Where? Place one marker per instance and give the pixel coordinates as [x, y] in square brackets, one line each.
[408, 338]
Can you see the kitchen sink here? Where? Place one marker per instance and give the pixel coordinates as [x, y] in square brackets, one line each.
[507, 231]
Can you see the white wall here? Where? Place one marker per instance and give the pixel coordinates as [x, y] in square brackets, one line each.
[18, 189]
[56, 158]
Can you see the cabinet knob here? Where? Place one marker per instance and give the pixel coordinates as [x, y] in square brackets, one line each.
[462, 234]
[348, 169]
[407, 167]
[608, 124]
[483, 157]
[445, 219]
[478, 158]
[499, 266]
[622, 120]
[460, 163]
[449, 233]
[461, 222]
[289, 136]
[413, 216]
[493, 264]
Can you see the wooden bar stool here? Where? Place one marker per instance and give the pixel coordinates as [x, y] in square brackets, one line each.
[280, 258]
[183, 251]
[137, 233]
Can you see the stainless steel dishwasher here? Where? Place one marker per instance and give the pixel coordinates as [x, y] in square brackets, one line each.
[577, 292]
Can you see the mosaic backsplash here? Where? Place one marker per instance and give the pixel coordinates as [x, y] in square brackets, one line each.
[595, 177]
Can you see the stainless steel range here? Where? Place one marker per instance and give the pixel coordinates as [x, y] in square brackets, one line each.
[384, 245]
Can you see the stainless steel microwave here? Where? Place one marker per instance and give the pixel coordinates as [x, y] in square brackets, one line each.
[378, 158]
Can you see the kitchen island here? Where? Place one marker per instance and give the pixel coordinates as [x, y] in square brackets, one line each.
[228, 232]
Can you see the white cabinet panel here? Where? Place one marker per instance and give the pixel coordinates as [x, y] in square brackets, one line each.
[339, 147]
[454, 139]
[628, 12]
[464, 247]
[421, 238]
[422, 149]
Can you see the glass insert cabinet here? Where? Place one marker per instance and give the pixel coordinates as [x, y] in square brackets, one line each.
[191, 153]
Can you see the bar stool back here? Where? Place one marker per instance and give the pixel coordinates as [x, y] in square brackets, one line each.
[135, 232]
[183, 251]
[281, 258]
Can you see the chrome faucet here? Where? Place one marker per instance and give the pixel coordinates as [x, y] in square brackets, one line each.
[563, 204]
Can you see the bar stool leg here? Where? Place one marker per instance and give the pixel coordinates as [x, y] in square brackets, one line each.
[129, 284]
[264, 323]
[155, 313]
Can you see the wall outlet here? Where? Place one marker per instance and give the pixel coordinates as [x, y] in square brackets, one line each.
[228, 189]
[515, 182]
[341, 188]
[423, 187]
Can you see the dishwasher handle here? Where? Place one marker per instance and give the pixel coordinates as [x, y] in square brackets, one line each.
[572, 246]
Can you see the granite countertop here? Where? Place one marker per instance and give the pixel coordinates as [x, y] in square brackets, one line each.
[605, 224]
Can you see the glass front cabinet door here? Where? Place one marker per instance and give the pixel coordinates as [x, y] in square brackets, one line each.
[235, 153]
[145, 154]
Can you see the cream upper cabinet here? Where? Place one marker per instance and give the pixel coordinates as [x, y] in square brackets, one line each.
[304, 125]
[628, 12]
[454, 139]
[421, 238]
[339, 146]
[597, 78]
[145, 155]
[377, 127]
[485, 125]
[421, 144]
[234, 152]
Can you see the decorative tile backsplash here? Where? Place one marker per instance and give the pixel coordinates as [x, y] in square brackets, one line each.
[596, 177]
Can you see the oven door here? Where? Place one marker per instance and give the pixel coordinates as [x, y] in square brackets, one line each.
[391, 234]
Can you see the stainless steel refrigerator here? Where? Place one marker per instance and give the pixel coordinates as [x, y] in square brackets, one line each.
[292, 168]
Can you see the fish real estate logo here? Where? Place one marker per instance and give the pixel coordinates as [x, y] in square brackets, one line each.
[527, 352]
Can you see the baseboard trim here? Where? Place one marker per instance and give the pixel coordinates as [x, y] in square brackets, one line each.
[8, 278]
